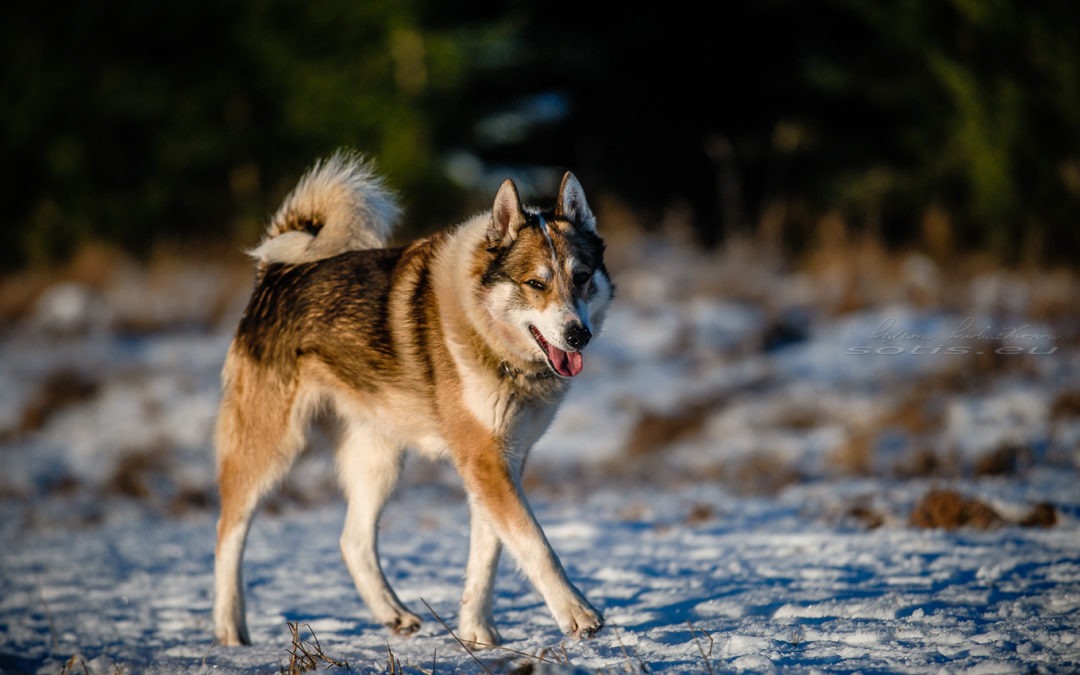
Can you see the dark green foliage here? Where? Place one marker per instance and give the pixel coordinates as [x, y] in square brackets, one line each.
[142, 122]
[137, 123]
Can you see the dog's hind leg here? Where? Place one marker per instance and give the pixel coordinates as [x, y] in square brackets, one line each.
[368, 466]
[477, 624]
[258, 437]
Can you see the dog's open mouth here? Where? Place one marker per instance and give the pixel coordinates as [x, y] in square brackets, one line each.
[566, 364]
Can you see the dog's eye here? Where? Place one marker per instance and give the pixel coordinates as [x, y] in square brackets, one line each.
[536, 283]
[582, 278]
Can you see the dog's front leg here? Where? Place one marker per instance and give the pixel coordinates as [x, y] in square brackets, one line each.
[496, 493]
[477, 623]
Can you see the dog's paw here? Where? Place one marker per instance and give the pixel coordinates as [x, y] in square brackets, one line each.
[479, 635]
[404, 624]
[582, 622]
[232, 637]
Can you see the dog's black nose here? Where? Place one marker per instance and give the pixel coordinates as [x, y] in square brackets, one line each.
[577, 336]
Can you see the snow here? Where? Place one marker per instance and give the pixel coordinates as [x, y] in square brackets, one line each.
[729, 501]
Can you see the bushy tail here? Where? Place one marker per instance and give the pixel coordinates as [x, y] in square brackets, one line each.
[339, 205]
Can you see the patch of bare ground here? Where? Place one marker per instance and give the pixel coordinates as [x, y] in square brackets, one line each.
[760, 474]
[700, 513]
[140, 474]
[865, 514]
[860, 511]
[918, 416]
[1006, 460]
[654, 431]
[61, 389]
[147, 475]
[942, 508]
[1065, 405]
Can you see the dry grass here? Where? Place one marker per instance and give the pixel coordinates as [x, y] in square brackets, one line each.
[706, 655]
[855, 456]
[173, 288]
[307, 655]
[841, 273]
[92, 266]
[950, 510]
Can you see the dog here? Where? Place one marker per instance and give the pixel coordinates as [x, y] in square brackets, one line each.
[459, 345]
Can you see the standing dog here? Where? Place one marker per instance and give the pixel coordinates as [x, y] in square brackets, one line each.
[459, 345]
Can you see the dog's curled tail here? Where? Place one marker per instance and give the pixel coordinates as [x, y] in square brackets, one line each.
[339, 205]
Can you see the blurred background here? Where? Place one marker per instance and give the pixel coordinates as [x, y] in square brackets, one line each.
[846, 240]
[951, 126]
[845, 233]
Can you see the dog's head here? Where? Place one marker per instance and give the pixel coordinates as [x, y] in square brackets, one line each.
[545, 283]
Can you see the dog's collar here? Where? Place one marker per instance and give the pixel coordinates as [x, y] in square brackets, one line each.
[513, 373]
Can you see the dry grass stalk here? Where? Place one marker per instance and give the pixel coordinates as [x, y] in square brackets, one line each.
[306, 656]
[393, 666]
[707, 657]
[627, 655]
[459, 640]
[69, 665]
[562, 658]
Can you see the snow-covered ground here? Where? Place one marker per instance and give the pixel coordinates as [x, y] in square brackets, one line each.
[741, 479]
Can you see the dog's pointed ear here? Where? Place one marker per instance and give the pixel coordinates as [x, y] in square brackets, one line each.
[572, 204]
[507, 216]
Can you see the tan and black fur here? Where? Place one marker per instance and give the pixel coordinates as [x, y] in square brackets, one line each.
[459, 345]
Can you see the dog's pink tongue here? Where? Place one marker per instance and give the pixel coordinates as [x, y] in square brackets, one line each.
[568, 364]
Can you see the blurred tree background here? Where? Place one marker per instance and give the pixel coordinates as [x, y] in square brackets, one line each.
[949, 124]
